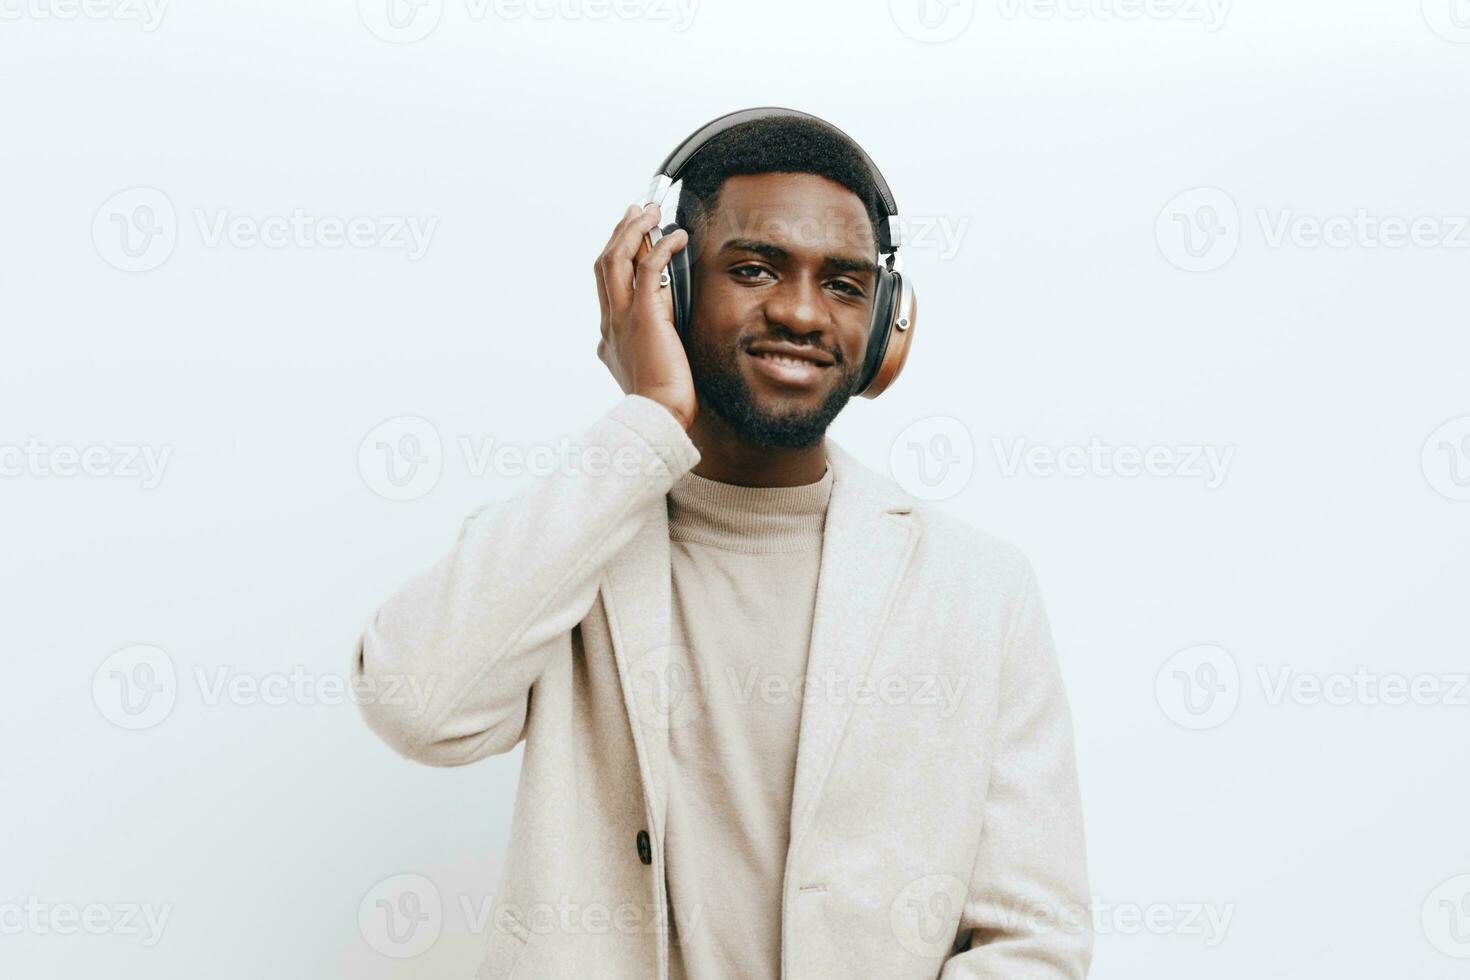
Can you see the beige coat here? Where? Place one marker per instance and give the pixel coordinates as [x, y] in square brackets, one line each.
[935, 825]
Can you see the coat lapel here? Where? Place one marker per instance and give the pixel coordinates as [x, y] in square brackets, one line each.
[866, 545]
[639, 597]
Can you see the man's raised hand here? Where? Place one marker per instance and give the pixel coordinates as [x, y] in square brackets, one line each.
[639, 344]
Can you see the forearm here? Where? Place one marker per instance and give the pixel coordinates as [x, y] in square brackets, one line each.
[471, 634]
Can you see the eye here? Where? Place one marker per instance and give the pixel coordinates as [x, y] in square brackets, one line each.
[740, 271]
[850, 288]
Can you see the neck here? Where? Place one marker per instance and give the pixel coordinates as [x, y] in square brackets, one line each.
[729, 458]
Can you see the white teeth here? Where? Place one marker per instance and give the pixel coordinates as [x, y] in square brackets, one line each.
[783, 359]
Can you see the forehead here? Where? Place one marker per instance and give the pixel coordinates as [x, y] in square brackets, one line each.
[801, 212]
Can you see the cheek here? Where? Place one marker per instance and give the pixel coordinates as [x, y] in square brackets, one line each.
[711, 288]
[857, 331]
[721, 306]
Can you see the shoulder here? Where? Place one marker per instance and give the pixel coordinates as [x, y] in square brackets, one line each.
[949, 548]
[964, 553]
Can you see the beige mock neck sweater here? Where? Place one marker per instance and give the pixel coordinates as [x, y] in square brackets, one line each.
[745, 562]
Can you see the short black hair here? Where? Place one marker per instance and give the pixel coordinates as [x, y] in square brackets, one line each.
[775, 144]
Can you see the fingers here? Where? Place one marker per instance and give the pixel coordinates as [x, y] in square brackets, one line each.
[649, 296]
[656, 258]
[616, 261]
[629, 214]
[597, 263]
[601, 294]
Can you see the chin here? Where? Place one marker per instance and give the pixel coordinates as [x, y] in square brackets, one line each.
[762, 410]
[797, 421]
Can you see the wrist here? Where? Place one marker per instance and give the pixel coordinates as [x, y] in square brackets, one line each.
[669, 405]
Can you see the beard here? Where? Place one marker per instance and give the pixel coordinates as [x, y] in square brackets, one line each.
[720, 386]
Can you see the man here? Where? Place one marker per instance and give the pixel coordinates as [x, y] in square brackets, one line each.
[781, 719]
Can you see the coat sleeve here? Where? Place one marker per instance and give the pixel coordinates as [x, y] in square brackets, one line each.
[1027, 913]
[470, 635]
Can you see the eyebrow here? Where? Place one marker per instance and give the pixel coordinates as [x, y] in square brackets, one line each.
[776, 253]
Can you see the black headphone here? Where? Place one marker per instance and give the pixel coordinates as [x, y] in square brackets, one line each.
[894, 305]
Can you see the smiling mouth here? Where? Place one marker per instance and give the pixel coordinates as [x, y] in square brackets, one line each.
[788, 370]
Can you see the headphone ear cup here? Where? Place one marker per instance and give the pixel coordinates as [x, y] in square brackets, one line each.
[895, 309]
[884, 297]
[681, 284]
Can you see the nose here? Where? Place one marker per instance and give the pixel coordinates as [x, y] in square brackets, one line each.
[797, 304]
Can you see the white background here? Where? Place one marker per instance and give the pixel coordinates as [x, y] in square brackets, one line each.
[1334, 541]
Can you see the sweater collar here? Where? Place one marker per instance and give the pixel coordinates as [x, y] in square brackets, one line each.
[755, 520]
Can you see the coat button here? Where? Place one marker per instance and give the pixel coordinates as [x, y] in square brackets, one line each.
[645, 850]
